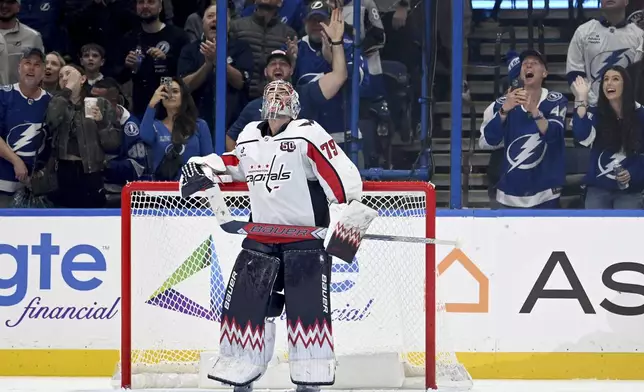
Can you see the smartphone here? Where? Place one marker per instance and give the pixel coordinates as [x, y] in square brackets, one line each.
[516, 84]
[167, 82]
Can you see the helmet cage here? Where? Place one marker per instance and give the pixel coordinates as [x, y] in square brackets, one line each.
[280, 101]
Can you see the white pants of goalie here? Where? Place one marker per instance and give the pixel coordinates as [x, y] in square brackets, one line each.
[303, 271]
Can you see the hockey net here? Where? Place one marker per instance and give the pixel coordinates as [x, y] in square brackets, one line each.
[176, 263]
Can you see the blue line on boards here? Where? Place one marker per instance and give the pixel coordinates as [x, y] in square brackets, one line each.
[474, 213]
[63, 212]
[510, 213]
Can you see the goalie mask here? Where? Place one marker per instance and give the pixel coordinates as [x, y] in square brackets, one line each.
[280, 101]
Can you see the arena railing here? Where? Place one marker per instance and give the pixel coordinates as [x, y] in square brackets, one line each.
[499, 86]
[422, 172]
[421, 169]
[538, 20]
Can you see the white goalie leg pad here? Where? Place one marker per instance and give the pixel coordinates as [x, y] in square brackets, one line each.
[312, 371]
[269, 342]
[235, 371]
[240, 371]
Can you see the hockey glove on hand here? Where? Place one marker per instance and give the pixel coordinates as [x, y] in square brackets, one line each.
[200, 173]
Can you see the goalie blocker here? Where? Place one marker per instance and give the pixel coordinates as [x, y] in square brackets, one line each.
[302, 270]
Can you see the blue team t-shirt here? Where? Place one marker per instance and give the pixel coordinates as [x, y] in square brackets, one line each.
[159, 138]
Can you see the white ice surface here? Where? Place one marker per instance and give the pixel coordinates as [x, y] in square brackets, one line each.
[49, 384]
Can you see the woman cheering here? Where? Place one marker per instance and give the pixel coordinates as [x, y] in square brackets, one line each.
[613, 129]
[171, 128]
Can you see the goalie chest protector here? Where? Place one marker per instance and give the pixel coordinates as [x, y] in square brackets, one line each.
[293, 175]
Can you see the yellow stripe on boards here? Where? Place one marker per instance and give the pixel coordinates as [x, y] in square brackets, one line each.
[540, 366]
[62, 363]
[554, 366]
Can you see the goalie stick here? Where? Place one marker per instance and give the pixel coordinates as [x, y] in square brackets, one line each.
[343, 244]
[344, 241]
[315, 233]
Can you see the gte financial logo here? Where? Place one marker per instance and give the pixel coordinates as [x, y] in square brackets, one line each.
[78, 268]
[610, 278]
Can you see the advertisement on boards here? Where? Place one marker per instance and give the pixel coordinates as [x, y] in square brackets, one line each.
[59, 282]
[529, 285]
[554, 284]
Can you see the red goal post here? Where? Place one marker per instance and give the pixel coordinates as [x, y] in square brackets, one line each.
[169, 311]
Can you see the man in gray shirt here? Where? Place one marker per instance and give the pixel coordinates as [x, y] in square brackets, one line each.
[17, 36]
[4, 62]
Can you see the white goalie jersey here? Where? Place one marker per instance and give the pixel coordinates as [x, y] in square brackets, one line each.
[293, 175]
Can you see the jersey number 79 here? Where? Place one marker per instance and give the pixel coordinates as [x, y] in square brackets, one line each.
[330, 148]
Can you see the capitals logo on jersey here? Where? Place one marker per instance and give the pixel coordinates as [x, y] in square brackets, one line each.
[268, 174]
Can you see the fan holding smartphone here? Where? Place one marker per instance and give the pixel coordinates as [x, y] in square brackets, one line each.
[528, 124]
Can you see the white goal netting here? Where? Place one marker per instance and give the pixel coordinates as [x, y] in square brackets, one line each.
[179, 262]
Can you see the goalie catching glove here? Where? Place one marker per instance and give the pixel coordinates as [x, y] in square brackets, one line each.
[201, 173]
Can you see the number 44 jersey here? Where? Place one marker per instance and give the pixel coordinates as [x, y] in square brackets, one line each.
[293, 175]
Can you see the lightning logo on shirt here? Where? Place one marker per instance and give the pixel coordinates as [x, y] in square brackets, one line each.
[610, 166]
[26, 139]
[525, 158]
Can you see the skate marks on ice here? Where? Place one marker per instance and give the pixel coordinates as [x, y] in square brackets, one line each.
[77, 384]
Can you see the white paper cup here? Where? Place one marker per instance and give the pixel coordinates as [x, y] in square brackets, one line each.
[90, 103]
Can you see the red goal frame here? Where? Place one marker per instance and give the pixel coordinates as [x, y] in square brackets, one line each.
[402, 186]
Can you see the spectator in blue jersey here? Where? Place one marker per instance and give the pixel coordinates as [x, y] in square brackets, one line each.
[54, 62]
[22, 114]
[613, 130]
[279, 66]
[197, 68]
[80, 137]
[290, 12]
[173, 131]
[528, 123]
[313, 59]
[129, 162]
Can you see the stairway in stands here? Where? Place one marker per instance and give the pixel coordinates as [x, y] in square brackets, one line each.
[558, 29]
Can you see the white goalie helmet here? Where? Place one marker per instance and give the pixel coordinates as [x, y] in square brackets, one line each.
[280, 101]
